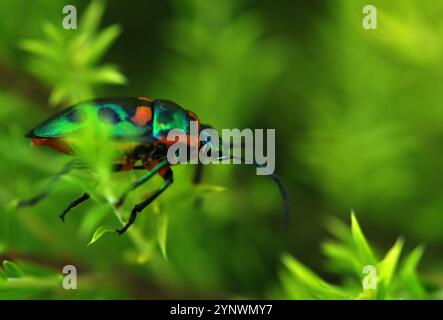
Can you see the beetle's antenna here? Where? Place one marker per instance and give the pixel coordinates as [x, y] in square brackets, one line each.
[276, 178]
[281, 187]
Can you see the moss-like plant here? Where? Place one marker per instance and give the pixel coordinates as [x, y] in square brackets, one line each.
[351, 257]
[68, 60]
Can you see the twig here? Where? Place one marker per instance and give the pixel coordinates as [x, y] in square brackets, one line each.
[24, 84]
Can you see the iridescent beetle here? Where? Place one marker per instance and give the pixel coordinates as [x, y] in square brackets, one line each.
[142, 121]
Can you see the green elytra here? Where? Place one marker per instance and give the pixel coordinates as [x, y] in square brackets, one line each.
[120, 113]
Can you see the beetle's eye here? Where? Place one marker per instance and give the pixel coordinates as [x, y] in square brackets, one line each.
[74, 116]
[108, 115]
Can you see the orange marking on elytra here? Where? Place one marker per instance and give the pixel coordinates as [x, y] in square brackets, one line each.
[142, 116]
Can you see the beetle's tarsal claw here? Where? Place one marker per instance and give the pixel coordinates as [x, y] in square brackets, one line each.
[62, 217]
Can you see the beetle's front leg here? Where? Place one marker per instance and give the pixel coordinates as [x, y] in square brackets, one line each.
[168, 177]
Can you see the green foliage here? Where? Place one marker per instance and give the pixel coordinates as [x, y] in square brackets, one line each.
[348, 257]
[100, 232]
[308, 285]
[409, 276]
[16, 23]
[26, 280]
[357, 116]
[364, 251]
[67, 60]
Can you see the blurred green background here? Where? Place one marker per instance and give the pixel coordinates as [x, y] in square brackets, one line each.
[358, 121]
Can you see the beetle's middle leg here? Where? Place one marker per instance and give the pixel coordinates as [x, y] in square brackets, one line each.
[137, 183]
[167, 175]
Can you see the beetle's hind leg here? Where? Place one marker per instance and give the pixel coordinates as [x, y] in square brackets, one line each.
[85, 196]
[167, 175]
[48, 188]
